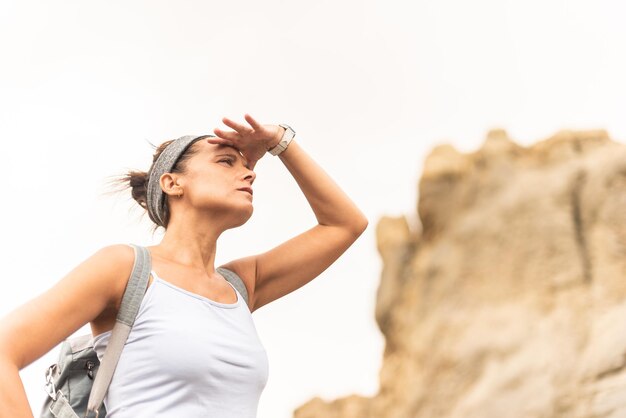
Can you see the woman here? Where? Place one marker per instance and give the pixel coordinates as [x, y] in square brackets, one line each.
[197, 189]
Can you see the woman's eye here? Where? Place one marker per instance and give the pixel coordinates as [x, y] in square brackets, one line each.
[230, 162]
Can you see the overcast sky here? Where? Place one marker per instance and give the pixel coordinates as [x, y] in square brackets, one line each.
[369, 86]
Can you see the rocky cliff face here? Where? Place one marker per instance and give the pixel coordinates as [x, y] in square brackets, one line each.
[511, 300]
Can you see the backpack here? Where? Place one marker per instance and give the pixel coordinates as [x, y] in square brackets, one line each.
[78, 381]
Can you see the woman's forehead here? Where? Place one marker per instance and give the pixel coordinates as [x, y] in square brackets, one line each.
[215, 149]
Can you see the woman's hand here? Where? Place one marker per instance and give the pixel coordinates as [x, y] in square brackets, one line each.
[253, 141]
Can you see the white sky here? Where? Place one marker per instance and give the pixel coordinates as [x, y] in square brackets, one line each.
[369, 86]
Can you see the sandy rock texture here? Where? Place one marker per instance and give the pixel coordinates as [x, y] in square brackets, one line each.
[511, 299]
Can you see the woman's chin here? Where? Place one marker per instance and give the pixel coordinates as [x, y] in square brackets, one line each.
[247, 214]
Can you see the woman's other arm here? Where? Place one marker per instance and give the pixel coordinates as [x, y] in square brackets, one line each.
[36, 327]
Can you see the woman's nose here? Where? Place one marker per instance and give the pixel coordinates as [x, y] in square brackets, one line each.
[249, 174]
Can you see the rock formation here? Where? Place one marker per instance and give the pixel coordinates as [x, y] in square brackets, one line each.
[511, 300]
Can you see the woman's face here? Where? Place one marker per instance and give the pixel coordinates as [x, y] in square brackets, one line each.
[212, 179]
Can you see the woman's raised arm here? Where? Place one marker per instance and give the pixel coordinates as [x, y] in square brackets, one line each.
[296, 262]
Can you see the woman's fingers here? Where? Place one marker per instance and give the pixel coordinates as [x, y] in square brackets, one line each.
[217, 140]
[236, 126]
[255, 125]
[220, 141]
[230, 136]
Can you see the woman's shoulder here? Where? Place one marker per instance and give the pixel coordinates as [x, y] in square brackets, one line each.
[119, 260]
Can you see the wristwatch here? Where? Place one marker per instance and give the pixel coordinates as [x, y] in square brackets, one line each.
[285, 140]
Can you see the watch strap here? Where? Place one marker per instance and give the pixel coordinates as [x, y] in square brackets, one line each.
[285, 140]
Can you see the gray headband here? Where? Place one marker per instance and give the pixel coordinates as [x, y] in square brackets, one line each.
[164, 164]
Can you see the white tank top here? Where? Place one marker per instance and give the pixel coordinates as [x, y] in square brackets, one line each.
[187, 356]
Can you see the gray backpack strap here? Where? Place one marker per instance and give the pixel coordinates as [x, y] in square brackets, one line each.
[235, 280]
[131, 301]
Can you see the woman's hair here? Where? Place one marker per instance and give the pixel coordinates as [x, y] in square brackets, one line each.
[137, 181]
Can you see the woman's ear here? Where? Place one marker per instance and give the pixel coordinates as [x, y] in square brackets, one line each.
[170, 184]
